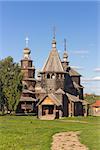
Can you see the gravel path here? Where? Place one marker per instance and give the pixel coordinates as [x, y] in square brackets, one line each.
[67, 141]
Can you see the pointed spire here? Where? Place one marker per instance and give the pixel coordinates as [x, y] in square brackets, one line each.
[54, 32]
[65, 55]
[54, 40]
[64, 44]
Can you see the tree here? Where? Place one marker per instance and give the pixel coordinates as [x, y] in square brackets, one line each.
[1, 97]
[91, 98]
[11, 84]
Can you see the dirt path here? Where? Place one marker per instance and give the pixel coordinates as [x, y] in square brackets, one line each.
[67, 141]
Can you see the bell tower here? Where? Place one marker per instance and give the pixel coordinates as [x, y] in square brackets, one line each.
[52, 74]
[28, 68]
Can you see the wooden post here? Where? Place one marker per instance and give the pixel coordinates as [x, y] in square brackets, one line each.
[54, 112]
[25, 108]
[85, 113]
[60, 113]
[72, 109]
[39, 111]
[69, 109]
[32, 107]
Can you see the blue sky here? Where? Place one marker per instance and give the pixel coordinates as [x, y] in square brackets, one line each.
[77, 21]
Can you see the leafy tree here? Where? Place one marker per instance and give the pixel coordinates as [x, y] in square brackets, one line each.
[11, 84]
[1, 97]
[91, 98]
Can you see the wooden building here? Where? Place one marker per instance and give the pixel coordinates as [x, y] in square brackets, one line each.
[96, 108]
[28, 100]
[57, 91]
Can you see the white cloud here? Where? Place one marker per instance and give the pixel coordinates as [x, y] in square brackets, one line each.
[86, 79]
[91, 79]
[97, 69]
[84, 82]
[77, 67]
[95, 87]
[80, 52]
[96, 78]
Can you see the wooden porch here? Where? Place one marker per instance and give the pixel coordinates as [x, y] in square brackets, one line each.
[49, 108]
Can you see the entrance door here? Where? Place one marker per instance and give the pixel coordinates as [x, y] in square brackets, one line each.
[57, 115]
[47, 109]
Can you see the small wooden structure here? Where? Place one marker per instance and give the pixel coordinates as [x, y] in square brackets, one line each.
[96, 108]
[49, 106]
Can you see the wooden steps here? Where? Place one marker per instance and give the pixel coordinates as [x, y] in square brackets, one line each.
[47, 117]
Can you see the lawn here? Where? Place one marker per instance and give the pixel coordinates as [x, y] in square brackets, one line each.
[29, 133]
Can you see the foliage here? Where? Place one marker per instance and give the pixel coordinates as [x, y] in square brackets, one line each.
[11, 80]
[91, 98]
[1, 97]
[29, 133]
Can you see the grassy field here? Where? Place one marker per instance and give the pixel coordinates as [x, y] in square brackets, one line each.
[29, 133]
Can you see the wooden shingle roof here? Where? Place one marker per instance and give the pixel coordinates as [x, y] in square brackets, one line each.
[73, 98]
[77, 86]
[72, 72]
[53, 63]
[60, 91]
[29, 99]
[53, 97]
[27, 91]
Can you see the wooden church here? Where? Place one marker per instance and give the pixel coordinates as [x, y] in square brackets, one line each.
[57, 92]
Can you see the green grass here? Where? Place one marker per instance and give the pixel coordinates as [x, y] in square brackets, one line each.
[29, 133]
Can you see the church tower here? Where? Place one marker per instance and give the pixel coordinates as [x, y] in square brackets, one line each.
[28, 69]
[27, 99]
[53, 72]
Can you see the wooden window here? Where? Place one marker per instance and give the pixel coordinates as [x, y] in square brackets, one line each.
[48, 76]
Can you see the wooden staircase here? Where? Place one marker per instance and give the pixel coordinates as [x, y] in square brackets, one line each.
[47, 117]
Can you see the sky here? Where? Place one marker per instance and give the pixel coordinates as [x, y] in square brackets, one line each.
[77, 21]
